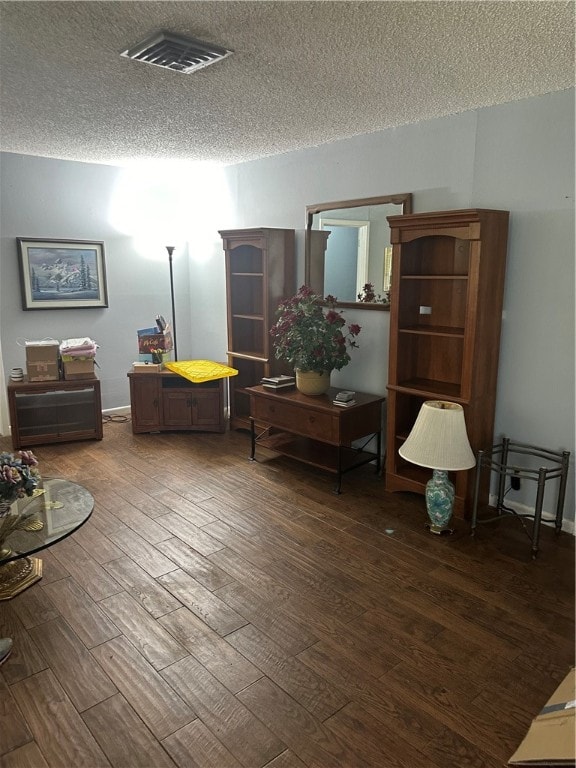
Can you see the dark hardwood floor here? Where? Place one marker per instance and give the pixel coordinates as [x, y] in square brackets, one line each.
[217, 613]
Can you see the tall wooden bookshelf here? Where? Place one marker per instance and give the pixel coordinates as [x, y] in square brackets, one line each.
[260, 273]
[445, 318]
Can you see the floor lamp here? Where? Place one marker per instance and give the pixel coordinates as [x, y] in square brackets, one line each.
[170, 249]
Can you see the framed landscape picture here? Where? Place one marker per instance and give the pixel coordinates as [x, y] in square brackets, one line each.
[62, 274]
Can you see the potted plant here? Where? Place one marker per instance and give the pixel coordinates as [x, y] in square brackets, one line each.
[315, 339]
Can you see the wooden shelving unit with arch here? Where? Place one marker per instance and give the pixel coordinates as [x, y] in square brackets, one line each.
[445, 319]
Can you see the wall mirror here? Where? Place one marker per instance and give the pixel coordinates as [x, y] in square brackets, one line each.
[348, 245]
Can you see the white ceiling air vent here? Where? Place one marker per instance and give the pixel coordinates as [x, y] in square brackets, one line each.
[182, 54]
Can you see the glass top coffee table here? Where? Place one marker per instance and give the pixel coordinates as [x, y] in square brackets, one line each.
[56, 510]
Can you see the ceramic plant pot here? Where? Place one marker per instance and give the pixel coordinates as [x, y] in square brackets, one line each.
[312, 382]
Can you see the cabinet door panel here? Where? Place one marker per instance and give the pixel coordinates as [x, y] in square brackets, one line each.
[207, 409]
[77, 412]
[177, 408]
[145, 401]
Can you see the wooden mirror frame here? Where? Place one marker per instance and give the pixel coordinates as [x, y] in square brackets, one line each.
[314, 272]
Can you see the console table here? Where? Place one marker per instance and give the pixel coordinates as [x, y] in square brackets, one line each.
[314, 431]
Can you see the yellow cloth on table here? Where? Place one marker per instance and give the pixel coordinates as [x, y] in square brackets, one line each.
[201, 370]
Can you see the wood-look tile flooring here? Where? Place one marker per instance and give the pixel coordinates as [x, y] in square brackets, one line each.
[219, 613]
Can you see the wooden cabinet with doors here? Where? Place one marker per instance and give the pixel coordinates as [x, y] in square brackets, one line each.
[54, 411]
[260, 273]
[165, 401]
[445, 317]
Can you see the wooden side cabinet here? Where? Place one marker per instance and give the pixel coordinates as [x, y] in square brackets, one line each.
[260, 273]
[445, 317]
[54, 411]
[165, 401]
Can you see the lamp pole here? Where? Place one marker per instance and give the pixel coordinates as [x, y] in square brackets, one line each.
[170, 249]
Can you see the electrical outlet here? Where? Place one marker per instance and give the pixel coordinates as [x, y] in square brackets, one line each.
[515, 482]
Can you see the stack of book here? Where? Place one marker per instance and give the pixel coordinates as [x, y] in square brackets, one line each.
[278, 382]
[345, 399]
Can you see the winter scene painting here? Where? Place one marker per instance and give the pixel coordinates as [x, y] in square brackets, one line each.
[62, 274]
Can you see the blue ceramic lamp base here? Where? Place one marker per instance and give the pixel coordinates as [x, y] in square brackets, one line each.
[439, 502]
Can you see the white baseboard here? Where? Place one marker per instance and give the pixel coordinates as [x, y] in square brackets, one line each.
[547, 517]
[124, 410]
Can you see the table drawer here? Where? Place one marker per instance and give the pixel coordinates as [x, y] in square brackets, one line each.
[320, 426]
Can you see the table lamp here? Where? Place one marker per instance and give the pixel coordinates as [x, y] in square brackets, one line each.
[438, 440]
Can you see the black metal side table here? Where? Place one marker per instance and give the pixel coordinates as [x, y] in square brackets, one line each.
[502, 459]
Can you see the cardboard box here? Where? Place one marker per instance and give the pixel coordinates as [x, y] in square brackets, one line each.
[44, 370]
[551, 738]
[78, 369]
[140, 367]
[42, 351]
[151, 338]
[42, 360]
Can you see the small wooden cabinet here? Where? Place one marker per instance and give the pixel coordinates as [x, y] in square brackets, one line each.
[260, 273]
[54, 411]
[445, 317]
[164, 401]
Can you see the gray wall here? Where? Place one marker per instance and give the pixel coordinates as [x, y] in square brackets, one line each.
[518, 157]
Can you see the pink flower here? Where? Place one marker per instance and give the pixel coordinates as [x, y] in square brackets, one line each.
[332, 316]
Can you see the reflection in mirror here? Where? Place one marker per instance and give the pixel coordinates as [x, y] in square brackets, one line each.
[348, 246]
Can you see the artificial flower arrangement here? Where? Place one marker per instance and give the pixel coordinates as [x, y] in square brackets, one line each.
[19, 476]
[369, 295]
[310, 337]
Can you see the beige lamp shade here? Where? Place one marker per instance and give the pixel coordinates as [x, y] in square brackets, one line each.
[438, 439]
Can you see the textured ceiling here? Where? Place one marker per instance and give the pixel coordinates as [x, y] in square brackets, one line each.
[302, 73]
